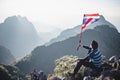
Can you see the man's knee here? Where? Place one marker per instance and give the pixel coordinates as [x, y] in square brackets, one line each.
[80, 62]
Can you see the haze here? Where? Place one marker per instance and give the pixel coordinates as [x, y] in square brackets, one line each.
[49, 15]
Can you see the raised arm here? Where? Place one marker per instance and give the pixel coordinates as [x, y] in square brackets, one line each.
[87, 47]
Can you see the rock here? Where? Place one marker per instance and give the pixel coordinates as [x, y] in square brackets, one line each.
[38, 75]
[87, 78]
[56, 78]
[112, 59]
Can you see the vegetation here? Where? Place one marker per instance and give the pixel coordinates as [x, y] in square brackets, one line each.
[64, 65]
[8, 72]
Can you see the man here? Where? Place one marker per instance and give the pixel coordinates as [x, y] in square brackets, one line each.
[93, 60]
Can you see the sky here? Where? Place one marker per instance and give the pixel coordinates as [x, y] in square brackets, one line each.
[50, 15]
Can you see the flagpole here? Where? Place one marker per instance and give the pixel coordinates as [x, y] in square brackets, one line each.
[79, 44]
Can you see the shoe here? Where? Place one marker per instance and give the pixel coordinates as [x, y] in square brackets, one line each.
[70, 74]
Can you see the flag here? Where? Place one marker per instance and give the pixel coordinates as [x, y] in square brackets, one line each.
[89, 19]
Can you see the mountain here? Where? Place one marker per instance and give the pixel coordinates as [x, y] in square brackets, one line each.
[5, 56]
[43, 57]
[19, 35]
[47, 36]
[76, 30]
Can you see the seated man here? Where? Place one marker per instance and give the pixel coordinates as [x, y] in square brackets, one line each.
[93, 60]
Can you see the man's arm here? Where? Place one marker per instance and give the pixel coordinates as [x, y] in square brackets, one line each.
[86, 47]
[87, 58]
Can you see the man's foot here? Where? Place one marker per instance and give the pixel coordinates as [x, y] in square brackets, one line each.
[70, 74]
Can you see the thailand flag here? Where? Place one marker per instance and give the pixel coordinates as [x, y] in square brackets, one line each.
[89, 19]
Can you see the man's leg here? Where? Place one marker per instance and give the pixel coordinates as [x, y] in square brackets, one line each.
[77, 67]
[83, 62]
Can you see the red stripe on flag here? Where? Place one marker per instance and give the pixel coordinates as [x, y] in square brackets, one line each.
[86, 23]
[92, 14]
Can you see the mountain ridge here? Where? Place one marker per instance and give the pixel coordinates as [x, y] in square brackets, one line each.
[76, 30]
[6, 56]
[42, 56]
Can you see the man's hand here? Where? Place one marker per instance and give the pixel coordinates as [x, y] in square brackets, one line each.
[77, 60]
[80, 45]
